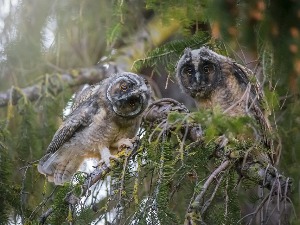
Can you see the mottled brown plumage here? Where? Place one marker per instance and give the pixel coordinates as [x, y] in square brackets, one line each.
[103, 117]
[217, 81]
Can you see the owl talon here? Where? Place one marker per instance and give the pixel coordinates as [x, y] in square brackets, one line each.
[126, 144]
[106, 156]
[124, 147]
[115, 159]
[107, 161]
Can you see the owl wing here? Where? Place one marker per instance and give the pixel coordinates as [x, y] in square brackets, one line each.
[80, 117]
[243, 74]
[246, 76]
[240, 73]
[84, 95]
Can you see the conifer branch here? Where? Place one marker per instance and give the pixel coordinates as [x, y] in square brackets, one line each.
[98, 174]
[158, 112]
[259, 172]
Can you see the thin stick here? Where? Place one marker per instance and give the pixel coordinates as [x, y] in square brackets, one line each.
[208, 202]
[256, 211]
[193, 217]
[221, 168]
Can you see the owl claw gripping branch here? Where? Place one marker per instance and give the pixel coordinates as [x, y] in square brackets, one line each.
[104, 118]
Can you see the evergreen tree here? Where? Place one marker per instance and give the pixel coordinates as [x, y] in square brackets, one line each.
[181, 172]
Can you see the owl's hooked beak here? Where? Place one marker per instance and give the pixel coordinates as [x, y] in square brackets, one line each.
[197, 76]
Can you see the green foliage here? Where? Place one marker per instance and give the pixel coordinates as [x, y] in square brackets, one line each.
[9, 191]
[60, 207]
[24, 137]
[28, 136]
[231, 197]
[169, 53]
[164, 214]
[189, 13]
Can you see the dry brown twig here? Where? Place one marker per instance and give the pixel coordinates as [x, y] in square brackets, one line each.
[194, 216]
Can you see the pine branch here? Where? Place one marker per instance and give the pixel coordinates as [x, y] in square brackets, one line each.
[158, 112]
[170, 52]
[249, 168]
[100, 172]
[45, 215]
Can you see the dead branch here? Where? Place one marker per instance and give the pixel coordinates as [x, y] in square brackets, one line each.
[158, 111]
[194, 217]
[72, 78]
[43, 203]
[45, 215]
[148, 37]
[208, 202]
[267, 176]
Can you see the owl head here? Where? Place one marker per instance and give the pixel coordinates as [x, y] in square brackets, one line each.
[128, 94]
[199, 72]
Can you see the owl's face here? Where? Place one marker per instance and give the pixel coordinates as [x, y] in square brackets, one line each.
[128, 93]
[198, 72]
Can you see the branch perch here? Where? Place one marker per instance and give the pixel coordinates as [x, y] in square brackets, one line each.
[260, 172]
[148, 37]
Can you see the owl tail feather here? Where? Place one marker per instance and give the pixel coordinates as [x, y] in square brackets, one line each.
[57, 170]
[46, 164]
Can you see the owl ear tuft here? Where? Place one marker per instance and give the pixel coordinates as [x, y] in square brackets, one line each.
[146, 81]
[188, 52]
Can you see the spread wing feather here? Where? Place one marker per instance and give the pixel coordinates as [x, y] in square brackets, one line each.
[81, 116]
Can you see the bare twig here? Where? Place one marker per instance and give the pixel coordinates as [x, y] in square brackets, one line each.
[194, 216]
[208, 202]
[34, 212]
[44, 217]
[256, 210]
[207, 183]
[98, 174]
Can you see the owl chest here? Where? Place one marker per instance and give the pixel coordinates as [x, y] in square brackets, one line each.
[105, 131]
[231, 100]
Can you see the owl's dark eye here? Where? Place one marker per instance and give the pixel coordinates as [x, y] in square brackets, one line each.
[189, 70]
[132, 103]
[208, 68]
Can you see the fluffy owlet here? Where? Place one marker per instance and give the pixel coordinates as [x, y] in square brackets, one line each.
[214, 80]
[103, 117]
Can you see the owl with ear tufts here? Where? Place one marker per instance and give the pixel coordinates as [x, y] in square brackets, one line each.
[103, 118]
[214, 80]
